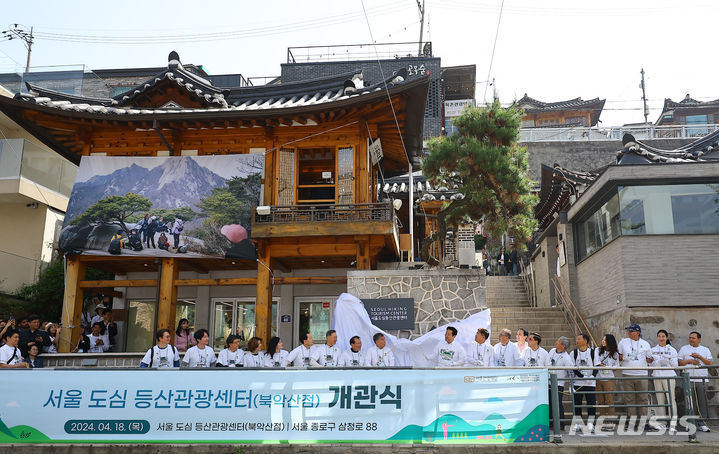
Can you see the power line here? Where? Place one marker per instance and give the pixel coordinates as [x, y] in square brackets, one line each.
[227, 35]
[494, 47]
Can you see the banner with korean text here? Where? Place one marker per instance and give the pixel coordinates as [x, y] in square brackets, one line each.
[272, 406]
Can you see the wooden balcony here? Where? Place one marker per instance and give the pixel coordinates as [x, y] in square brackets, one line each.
[326, 220]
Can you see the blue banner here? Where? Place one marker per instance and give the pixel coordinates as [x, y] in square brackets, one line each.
[252, 406]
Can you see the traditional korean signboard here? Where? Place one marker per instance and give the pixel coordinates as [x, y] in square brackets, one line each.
[328, 405]
[391, 313]
[163, 206]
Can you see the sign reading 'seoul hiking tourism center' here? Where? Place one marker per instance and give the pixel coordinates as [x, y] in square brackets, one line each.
[360, 405]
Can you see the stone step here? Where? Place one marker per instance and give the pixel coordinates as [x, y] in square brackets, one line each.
[531, 310]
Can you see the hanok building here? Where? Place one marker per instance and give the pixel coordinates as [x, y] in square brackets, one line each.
[572, 112]
[637, 241]
[320, 215]
[696, 115]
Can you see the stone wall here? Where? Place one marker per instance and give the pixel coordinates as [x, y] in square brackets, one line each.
[583, 155]
[440, 296]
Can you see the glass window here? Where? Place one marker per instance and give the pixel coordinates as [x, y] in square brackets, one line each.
[598, 229]
[223, 323]
[316, 175]
[240, 315]
[696, 131]
[315, 318]
[140, 325]
[185, 309]
[678, 209]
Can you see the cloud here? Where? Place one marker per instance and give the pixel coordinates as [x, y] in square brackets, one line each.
[14, 404]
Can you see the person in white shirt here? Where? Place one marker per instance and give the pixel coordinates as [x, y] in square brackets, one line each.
[534, 355]
[354, 356]
[698, 355]
[10, 356]
[275, 355]
[304, 355]
[559, 357]
[583, 356]
[330, 353]
[506, 354]
[481, 353]
[380, 355]
[635, 352]
[606, 355]
[521, 338]
[200, 355]
[231, 355]
[665, 356]
[162, 355]
[99, 343]
[98, 315]
[254, 356]
[449, 352]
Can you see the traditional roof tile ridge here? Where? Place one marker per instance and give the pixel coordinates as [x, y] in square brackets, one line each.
[688, 101]
[37, 91]
[573, 103]
[700, 150]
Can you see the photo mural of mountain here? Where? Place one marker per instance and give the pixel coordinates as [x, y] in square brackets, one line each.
[163, 206]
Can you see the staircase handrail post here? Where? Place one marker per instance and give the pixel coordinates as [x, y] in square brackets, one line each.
[572, 308]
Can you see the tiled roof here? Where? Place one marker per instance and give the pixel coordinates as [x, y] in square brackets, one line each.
[423, 190]
[260, 98]
[557, 187]
[531, 105]
[636, 152]
[688, 101]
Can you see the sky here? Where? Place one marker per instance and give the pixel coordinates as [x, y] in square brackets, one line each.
[552, 50]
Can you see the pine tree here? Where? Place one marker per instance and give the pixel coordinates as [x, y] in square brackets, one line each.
[484, 160]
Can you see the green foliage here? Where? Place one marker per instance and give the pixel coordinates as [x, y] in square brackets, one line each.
[184, 213]
[479, 242]
[45, 296]
[114, 209]
[489, 168]
[232, 204]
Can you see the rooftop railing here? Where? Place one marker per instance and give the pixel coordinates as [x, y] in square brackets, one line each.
[585, 134]
[326, 213]
[368, 51]
[22, 158]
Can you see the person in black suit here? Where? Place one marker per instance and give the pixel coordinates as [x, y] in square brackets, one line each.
[502, 262]
[512, 265]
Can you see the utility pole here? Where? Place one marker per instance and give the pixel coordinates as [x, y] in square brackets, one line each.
[18, 31]
[644, 98]
[421, 26]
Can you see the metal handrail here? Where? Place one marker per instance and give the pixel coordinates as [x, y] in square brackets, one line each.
[564, 302]
[568, 133]
[527, 279]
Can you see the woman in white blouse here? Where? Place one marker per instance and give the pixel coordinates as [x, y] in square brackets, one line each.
[606, 356]
[254, 356]
[665, 356]
[275, 355]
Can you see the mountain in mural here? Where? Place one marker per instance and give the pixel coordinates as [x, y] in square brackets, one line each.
[177, 182]
[494, 429]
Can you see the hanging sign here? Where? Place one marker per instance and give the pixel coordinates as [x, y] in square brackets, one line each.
[375, 151]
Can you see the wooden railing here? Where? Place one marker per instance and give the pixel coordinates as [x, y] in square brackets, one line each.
[325, 213]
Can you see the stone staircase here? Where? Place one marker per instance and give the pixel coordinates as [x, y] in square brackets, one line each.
[509, 304]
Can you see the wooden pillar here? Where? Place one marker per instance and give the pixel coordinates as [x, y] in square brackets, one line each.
[167, 304]
[263, 303]
[364, 261]
[272, 157]
[72, 305]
